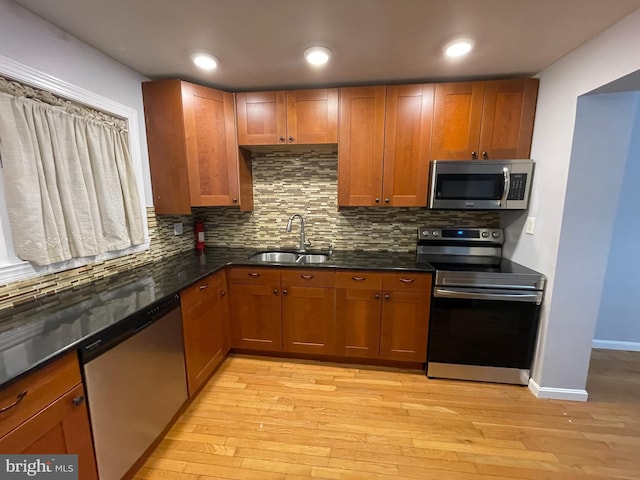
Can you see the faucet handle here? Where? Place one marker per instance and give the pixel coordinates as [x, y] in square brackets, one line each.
[330, 250]
[307, 243]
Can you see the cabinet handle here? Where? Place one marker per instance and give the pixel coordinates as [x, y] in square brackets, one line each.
[281, 139]
[235, 200]
[406, 280]
[474, 155]
[285, 291]
[306, 277]
[204, 287]
[254, 274]
[359, 279]
[19, 398]
[377, 200]
[275, 291]
[77, 401]
[223, 293]
[377, 296]
[485, 155]
[290, 138]
[386, 200]
[387, 296]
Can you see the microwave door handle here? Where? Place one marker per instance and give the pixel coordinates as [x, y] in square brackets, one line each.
[507, 185]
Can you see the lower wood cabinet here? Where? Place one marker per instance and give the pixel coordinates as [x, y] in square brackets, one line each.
[205, 320]
[382, 315]
[60, 423]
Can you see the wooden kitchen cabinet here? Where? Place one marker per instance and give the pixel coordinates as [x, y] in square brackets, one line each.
[382, 315]
[255, 310]
[385, 141]
[307, 117]
[51, 417]
[405, 317]
[308, 303]
[205, 321]
[193, 154]
[486, 120]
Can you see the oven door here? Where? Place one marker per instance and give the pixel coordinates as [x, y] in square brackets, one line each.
[489, 330]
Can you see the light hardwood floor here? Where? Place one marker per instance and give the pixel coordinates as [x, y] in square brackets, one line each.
[285, 419]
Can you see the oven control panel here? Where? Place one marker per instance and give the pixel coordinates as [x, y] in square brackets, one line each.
[454, 234]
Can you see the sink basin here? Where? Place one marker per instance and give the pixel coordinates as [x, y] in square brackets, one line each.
[275, 257]
[289, 257]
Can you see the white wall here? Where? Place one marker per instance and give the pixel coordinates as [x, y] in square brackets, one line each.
[605, 58]
[36, 43]
[618, 324]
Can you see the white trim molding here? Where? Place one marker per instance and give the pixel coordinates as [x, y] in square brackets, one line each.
[616, 345]
[553, 393]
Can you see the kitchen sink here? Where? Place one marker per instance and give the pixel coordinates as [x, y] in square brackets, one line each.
[289, 257]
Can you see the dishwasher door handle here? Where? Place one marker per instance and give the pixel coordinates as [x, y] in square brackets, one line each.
[500, 296]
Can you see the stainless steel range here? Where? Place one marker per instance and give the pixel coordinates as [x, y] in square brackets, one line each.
[485, 308]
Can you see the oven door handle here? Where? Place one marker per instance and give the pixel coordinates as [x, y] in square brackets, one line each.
[496, 296]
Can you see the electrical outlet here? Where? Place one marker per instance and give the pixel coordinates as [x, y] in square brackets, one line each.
[177, 228]
[531, 225]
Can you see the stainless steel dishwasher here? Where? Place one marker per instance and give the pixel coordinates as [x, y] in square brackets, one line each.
[136, 382]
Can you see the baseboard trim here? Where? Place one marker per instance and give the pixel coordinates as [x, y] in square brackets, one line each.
[615, 345]
[552, 393]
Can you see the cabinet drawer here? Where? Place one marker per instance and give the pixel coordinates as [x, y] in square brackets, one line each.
[359, 279]
[308, 278]
[407, 282]
[254, 276]
[205, 288]
[36, 391]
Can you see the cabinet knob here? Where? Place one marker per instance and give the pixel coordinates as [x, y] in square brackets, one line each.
[386, 200]
[485, 155]
[275, 291]
[474, 155]
[223, 293]
[285, 291]
[377, 200]
[77, 401]
[377, 296]
[281, 139]
[387, 296]
[290, 139]
[235, 200]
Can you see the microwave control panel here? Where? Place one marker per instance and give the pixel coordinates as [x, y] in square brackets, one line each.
[517, 186]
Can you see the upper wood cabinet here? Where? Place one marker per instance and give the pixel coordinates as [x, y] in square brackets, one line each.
[384, 144]
[193, 153]
[487, 120]
[288, 117]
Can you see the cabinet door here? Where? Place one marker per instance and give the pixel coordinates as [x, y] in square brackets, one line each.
[456, 121]
[358, 322]
[255, 316]
[407, 145]
[166, 145]
[312, 116]
[262, 118]
[405, 324]
[60, 428]
[507, 118]
[360, 146]
[203, 328]
[212, 154]
[307, 319]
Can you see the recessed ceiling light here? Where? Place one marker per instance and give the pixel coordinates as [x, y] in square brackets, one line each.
[317, 55]
[458, 48]
[205, 61]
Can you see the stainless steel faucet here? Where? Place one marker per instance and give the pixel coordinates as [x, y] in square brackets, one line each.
[304, 243]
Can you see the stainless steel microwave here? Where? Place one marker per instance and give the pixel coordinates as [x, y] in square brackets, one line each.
[480, 184]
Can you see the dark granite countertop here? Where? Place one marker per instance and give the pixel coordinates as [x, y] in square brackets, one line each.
[36, 332]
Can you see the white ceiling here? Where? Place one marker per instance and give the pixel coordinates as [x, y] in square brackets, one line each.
[260, 42]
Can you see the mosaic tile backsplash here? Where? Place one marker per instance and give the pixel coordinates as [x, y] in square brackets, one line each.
[307, 183]
[284, 184]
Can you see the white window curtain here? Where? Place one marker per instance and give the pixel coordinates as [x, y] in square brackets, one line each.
[69, 182]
